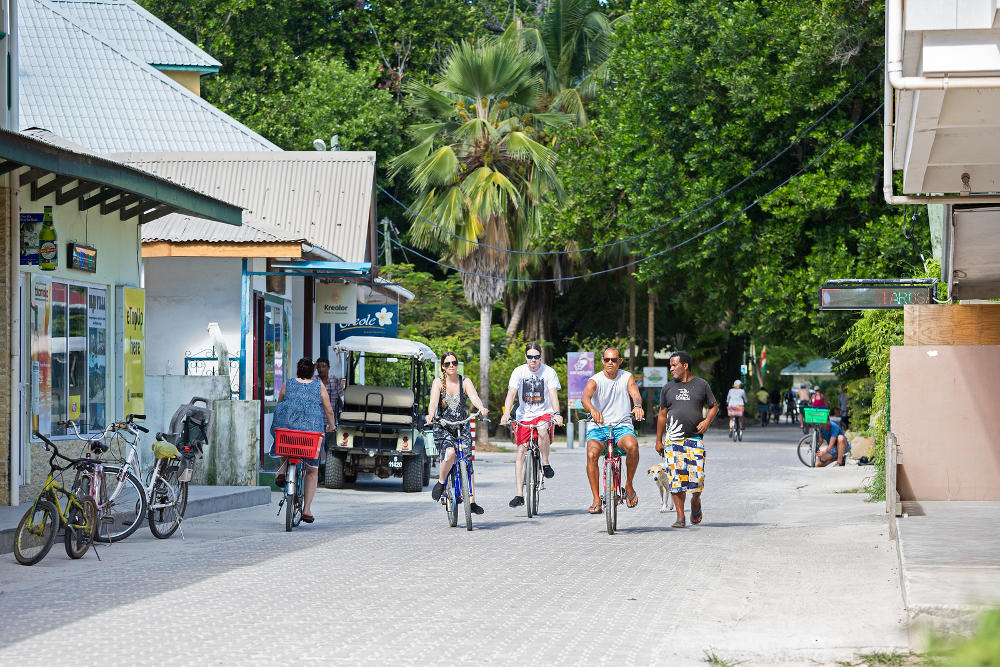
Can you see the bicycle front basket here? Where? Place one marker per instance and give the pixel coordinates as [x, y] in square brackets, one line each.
[817, 415]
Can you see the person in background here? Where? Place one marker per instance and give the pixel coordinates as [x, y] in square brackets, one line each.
[761, 397]
[844, 402]
[836, 448]
[774, 404]
[817, 400]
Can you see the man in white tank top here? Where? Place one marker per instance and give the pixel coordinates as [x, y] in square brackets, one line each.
[609, 397]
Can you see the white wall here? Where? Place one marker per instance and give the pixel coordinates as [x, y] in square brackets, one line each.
[184, 294]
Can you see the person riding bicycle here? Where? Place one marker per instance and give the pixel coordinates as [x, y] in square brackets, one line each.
[448, 393]
[536, 387]
[612, 398]
[683, 399]
[837, 445]
[802, 398]
[736, 398]
[774, 405]
[817, 400]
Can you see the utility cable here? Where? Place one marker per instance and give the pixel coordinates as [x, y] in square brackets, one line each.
[672, 221]
[659, 252]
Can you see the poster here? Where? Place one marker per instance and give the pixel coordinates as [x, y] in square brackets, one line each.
[31, 224]
[97, 333]
[655, 376]
[41, 358]
[579, 369]
[336, 303]
[132, 315]
[374, 319]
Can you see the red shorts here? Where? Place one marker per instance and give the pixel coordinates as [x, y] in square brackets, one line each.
[522, 434]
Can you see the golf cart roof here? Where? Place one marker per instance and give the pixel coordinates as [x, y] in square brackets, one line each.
[397, 347]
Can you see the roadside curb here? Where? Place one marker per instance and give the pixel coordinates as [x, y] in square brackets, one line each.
[202, 500]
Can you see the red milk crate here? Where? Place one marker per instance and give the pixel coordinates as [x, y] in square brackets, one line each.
[297, 444]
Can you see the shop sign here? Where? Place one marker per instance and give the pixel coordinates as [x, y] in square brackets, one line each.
[132, 343]
[82, 257]
[579, 369]
[41, 358]
[336, 303]
[372, 320]
[655, 376]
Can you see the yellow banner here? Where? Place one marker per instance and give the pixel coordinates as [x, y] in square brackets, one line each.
[134, 350]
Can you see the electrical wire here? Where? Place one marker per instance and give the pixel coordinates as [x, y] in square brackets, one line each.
[672, 221]
[659, 252]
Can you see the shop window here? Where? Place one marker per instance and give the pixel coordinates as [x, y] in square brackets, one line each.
[69, 355]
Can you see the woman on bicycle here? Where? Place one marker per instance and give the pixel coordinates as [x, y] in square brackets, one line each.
[448, 393]
[535, 386]
[302, 403]
[736, 398]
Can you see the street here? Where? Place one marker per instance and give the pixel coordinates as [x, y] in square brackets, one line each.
[788, 567]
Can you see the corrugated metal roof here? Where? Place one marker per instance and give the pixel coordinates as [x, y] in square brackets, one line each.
[178, 228]
[811, 367]
[81, 87]
[131, 29]
[322, 197]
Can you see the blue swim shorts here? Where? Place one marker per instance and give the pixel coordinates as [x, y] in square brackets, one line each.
[600, 433]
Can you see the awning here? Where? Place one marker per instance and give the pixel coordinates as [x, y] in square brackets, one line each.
[316, 269]
[397, 347]
[97, 181]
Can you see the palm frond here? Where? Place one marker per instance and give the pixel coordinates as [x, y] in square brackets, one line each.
[440, 168]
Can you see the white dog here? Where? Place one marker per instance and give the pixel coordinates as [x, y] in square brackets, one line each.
[659, 474]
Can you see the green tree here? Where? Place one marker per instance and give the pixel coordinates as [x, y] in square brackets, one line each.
[478, 174]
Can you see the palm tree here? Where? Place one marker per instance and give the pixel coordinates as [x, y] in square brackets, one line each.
[479, 175]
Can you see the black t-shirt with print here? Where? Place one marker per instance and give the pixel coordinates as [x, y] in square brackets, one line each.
[684, 402]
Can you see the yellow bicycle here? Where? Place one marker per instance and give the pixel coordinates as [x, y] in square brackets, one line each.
[37, 530]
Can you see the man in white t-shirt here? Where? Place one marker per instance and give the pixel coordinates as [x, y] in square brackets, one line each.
[535, 386]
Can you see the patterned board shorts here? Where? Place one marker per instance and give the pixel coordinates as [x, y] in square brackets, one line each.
[685, 463]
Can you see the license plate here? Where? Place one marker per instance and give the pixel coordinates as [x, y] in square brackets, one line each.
[396, 463]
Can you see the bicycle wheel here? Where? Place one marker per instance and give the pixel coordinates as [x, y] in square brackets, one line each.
[610, 498]
[529, 482]
[292, 483]
[168, 501]
[463, 475]
[739, 430]
[80, 526]
[451, 505]
[122, 505]
[36, 532]
[806, 452]
[537, 488]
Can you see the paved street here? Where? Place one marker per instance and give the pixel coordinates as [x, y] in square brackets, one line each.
[783, 570]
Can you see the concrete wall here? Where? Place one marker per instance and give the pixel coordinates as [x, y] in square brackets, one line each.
[233, 459]
[184, 294]
[942, 410]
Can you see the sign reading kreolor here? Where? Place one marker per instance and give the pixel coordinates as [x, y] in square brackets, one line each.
[336, 303]
[373, 320]
[579, 369]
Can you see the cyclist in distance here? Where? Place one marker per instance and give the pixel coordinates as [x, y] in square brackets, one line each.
[736, 398]
[535, 386]
[612, 398]
[802, 398]
[448, 393]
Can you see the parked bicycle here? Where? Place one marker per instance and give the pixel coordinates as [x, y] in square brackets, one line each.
[37, 529]
[458, 483]
[534, 481]
[812, 419]
[296, 446]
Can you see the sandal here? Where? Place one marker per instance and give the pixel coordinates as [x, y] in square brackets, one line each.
[678, 524]
[695, 517]
[279, 480]
[595, 508]
[308, 518]
[632, 501]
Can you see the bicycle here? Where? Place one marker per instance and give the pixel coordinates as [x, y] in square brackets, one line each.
[533, 479]
[735, 422]
[613, 491]
[296, 446]
[458, 483]
[36, 531]
[812, 419]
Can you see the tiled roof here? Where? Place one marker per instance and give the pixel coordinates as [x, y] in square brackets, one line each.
[131, 29]
[324, 198]
[83, 88]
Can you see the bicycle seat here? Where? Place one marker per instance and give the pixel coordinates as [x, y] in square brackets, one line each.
[97, 446]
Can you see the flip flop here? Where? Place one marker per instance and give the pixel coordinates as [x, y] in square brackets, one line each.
[280, 480]
[695, 518]
[308, 518]
[595, 508]
[678, 524]
[632, 501]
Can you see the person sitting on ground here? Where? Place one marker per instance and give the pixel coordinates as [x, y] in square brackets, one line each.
[836, 448]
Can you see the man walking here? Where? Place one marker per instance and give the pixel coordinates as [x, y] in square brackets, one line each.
[683, 400]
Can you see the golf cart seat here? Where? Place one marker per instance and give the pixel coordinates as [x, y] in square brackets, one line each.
[372, 405]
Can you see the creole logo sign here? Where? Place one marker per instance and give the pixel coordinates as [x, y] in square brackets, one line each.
[373, 320]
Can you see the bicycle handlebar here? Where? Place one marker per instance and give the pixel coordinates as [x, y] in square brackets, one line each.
[448, 422]
[48, 444]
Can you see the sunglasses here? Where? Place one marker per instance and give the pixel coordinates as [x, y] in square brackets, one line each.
[445, 364]
[533, 356]
[612, 360]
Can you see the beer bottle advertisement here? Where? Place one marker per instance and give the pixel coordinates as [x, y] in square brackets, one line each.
[48, 250]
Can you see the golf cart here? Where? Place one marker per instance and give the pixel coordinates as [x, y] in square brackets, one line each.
[380, 428]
